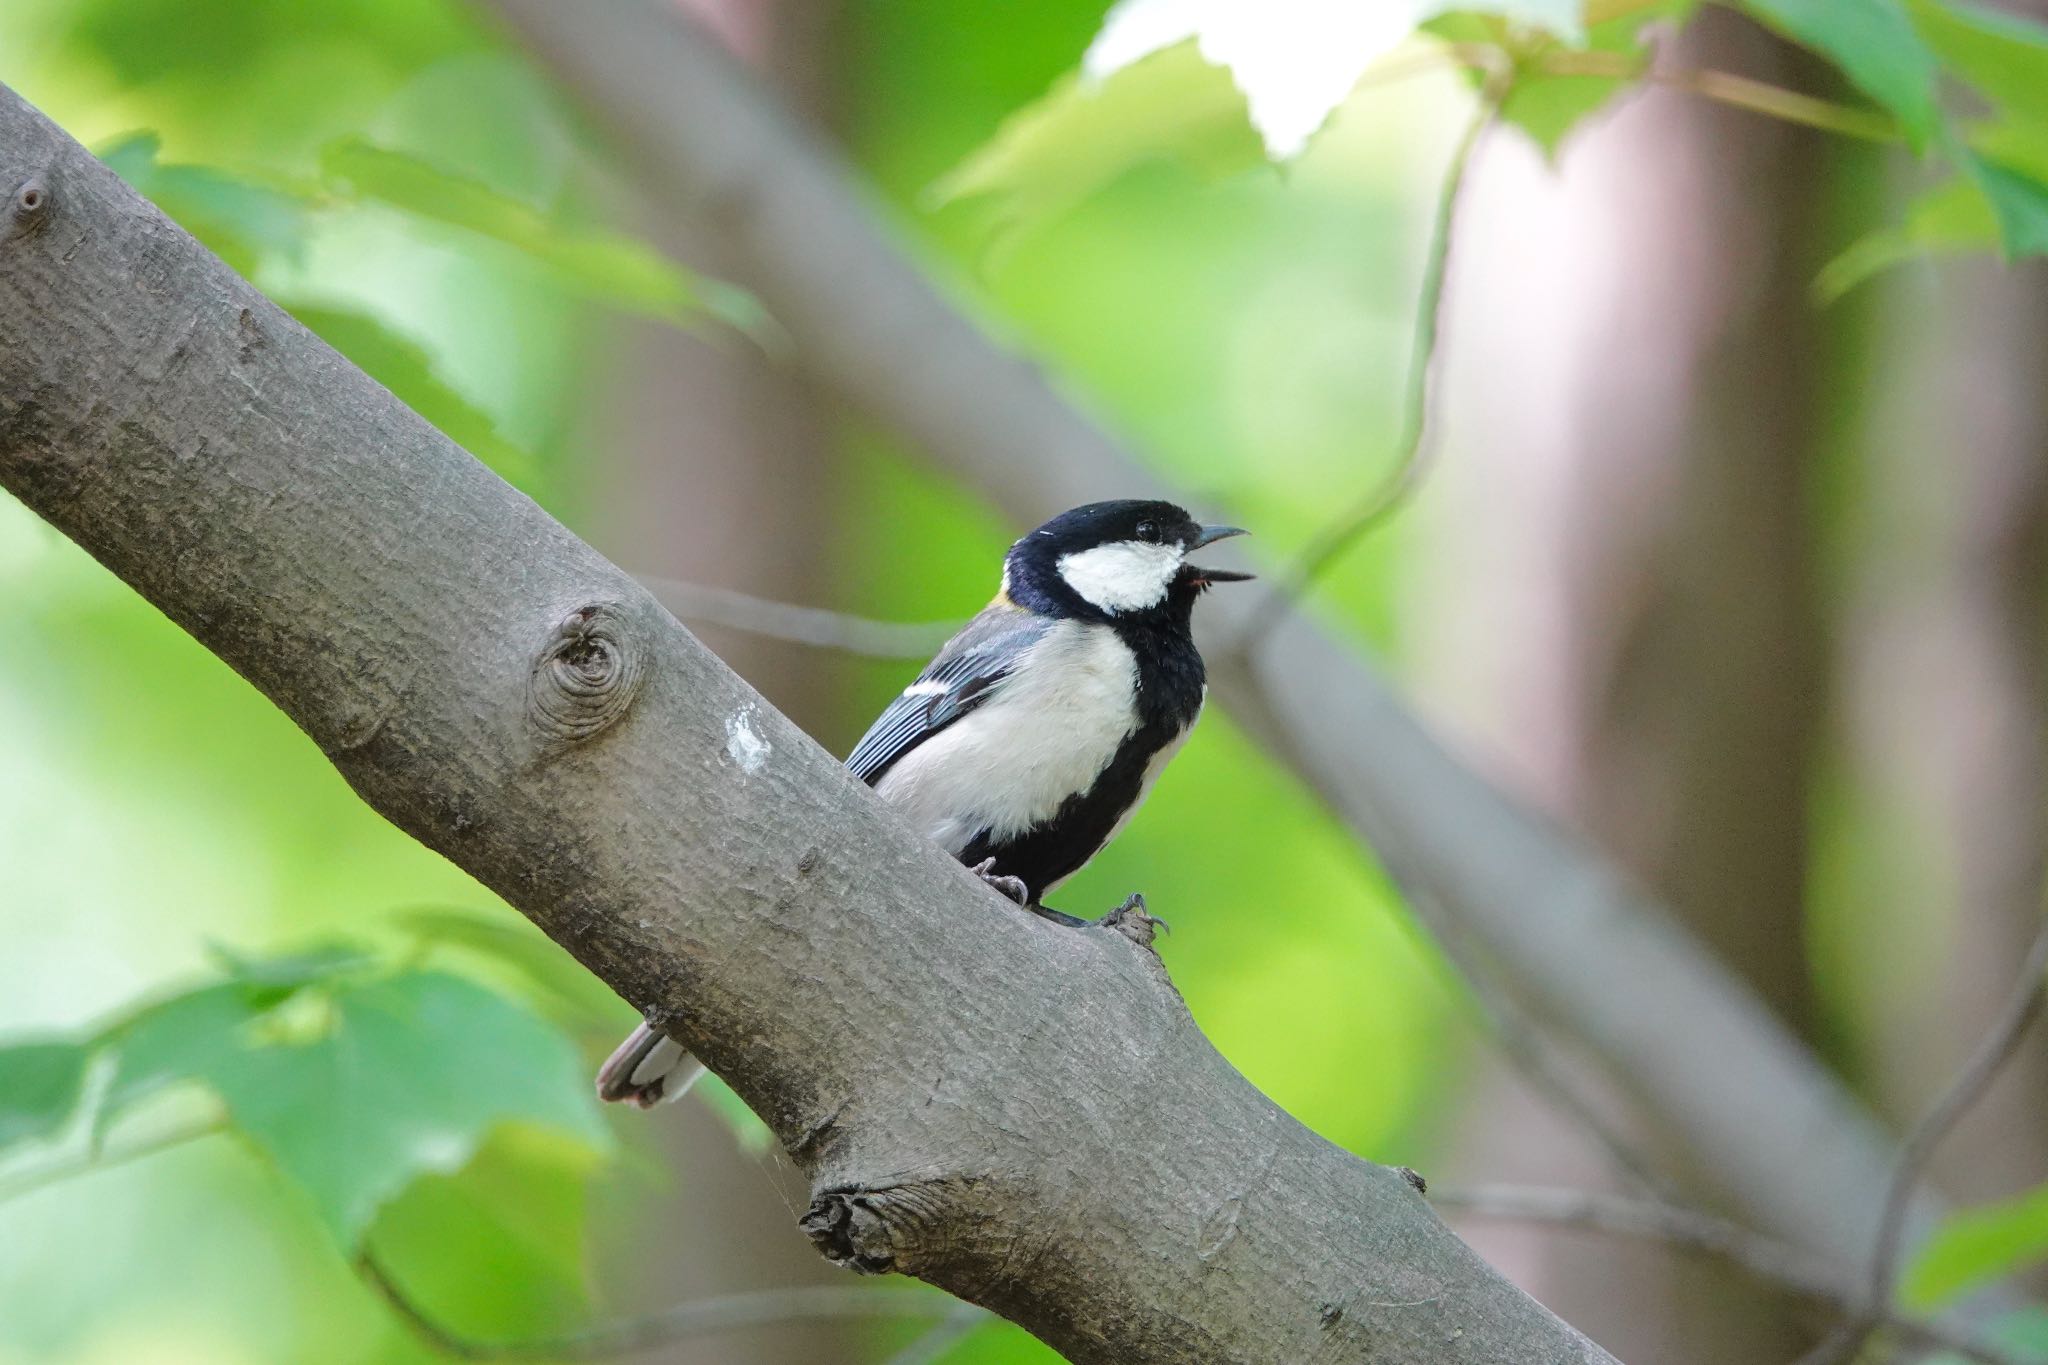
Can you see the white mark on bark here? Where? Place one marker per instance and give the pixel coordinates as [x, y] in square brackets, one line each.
[744, 743]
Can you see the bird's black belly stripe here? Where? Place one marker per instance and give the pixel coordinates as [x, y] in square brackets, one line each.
[1046, 853]
[1170, 679]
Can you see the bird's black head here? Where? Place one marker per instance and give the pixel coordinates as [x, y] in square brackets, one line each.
[1116, 561]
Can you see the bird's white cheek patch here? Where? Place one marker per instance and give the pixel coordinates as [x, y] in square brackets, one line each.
[1130, 575]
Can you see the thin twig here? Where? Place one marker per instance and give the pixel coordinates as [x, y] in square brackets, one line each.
[813, 626]
[1766, 1257]
[1723, 87]
[2000, 1040]
[1392, 490]
[1774, 1262]
[703, 1317]
[91, 1159]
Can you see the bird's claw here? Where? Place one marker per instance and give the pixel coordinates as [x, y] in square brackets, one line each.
[1134, 921]
[1012, 887]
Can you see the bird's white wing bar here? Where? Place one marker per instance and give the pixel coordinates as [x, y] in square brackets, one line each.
[960, 678]
[1030, 746]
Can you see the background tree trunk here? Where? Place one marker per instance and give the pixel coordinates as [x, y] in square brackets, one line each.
[1662, 411]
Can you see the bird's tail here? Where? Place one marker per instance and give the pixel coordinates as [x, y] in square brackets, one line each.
[646, 1069]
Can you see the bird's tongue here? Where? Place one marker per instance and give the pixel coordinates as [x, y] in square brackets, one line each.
[1195, 573]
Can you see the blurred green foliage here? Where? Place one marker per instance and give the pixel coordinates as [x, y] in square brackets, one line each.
[1978, 1246]
[418, 195]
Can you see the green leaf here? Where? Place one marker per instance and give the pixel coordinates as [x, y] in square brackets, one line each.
[237, 218]
[1975, 1246]
[1991, 207]
[1084, 134]
[1218, 87]
[1954, 217]
[604, 267]
[1297, 63]
[408, 1077]
[1550, 105]
[2018, 201]
[1876, 46]
[497, 1248]
[352, 1085]
[406, 369]
[185, 1038]
[2003, 55]
[2006, 59]
[39, 1089]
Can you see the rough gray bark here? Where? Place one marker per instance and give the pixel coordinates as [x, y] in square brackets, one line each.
[1021, 1114]
[1765, 1120]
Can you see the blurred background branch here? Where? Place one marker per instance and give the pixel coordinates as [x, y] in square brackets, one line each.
[706, 1317]
[2021, 1008]
[1778, 1264]
[812, 627]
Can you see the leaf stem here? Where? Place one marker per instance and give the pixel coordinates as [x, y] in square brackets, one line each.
[1392, 490]
[1723, 87]
[1601, 11]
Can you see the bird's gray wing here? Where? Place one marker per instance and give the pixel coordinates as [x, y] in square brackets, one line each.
[961, 677]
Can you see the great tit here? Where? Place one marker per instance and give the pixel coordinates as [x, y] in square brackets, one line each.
[1034, 735]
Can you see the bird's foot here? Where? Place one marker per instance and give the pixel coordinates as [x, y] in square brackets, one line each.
[1013, 887]
[1134, 921]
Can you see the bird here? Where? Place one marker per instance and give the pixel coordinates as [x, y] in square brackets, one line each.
[1032, 737]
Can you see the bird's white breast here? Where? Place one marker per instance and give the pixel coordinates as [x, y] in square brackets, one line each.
[1046, 732]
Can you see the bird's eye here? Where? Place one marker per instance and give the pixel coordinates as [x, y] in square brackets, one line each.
[1148, 530]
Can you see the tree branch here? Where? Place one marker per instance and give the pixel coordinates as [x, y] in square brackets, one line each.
[1021, 1114]
[1596, 959]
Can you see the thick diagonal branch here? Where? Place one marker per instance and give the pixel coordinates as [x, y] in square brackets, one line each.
[1022, 1114]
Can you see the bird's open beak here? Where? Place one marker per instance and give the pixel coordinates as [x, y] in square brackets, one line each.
[1209, 535]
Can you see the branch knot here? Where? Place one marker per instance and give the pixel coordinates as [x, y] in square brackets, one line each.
[587, 674]
[882, 1229]
[28, 208]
